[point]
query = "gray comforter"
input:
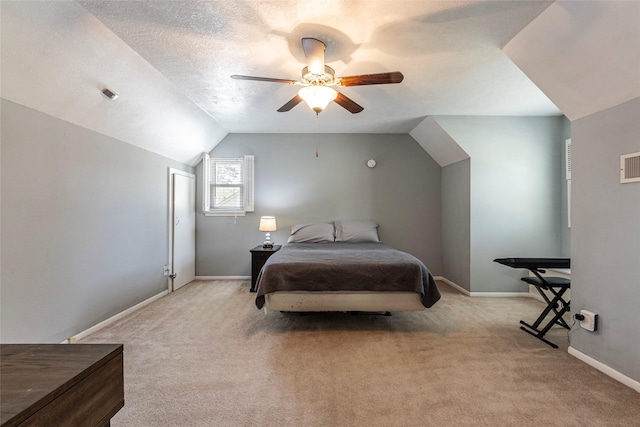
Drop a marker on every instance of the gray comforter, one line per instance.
(345, 267)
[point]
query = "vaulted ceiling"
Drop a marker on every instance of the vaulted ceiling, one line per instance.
(171, 62)
(449, 53)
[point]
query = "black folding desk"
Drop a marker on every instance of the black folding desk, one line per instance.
(556, 285)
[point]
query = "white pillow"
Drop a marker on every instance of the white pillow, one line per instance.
(312, 233)
(356, 231)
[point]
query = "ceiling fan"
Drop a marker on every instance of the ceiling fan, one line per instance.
(318, 77)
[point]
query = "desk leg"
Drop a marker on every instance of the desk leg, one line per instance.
(537, 335)
(566, 305)
(550, 306)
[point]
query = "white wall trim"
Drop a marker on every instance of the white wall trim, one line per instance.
(172, 172)
(223, 277)
(453, 285)
(630, 382)
(502, 294)
(112, 319)
(485, 294)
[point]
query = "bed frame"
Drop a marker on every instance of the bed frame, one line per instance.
(308, 274)
(297, 301)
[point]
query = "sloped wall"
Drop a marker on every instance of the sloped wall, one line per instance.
(582, 54)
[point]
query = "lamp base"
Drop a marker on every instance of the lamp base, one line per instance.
(267, 241)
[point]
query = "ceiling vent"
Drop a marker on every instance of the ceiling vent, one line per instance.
(109, 94)
(567, 148)
(630, 168)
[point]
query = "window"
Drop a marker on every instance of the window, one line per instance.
(228, 186)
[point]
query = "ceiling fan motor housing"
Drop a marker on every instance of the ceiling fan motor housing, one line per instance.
(327, 78)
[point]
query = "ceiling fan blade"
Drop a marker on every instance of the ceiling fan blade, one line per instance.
(263, 79)
(371, 79)
(314, 53)
(348, 104)
(289, 105)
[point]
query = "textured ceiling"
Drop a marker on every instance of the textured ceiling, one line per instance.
(449, 52)
(171, 62)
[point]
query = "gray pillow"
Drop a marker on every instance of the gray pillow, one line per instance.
(312, 233)
(356, 231)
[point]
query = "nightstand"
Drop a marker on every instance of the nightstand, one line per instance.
(259, 256)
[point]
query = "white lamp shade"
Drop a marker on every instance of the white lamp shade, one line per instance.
(317, 97)
(267, 223)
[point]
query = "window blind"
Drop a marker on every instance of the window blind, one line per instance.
(229, 185)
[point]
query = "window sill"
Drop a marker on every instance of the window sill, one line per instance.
(227, 213)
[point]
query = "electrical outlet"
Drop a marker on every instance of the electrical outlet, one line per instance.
(166, 270)
(590, 322)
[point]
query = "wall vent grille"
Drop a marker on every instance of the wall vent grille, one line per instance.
(630, 168)
(567, 147)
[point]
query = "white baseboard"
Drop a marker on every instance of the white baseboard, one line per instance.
(502, 294)
(223, 277)
(107, 322)
(630, 382)
(453, 285)
(483, 294)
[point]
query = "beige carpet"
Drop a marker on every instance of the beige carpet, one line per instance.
(205, 356)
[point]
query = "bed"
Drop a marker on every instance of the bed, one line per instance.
(343, 266)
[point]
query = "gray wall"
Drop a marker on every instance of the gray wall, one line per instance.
(456, 220)
(84, 226)
(605, 237)
(402, 193)
(515, 192)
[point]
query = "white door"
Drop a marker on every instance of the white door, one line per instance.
(183, 259)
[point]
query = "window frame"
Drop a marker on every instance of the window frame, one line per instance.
(247, 165)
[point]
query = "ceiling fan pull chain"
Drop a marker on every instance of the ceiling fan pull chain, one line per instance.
(317, 132)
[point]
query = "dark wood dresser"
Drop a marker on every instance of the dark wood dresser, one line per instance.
(60, 384)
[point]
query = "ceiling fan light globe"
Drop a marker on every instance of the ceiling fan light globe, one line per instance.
(317, 97)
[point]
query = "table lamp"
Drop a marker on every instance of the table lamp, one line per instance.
(268, 223)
